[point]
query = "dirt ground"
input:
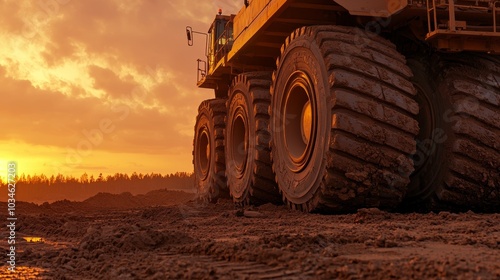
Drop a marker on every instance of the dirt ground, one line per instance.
(188, 240)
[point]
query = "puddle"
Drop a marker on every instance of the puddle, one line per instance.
(23, 272)
(33, 239)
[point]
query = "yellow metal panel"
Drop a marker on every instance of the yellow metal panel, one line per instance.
(376, 8)
(248, 14)
(251, 19)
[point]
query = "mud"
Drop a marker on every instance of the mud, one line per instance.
(216, 241)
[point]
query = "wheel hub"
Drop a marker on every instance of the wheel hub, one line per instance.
(298, 121)
(203, 152)
(306, 122)
(239, 149)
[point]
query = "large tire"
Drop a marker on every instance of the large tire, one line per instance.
(208, 150)
(249, 173)
(458, 158)
(343, 120)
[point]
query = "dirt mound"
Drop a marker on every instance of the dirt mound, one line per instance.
(128, 201)
(103, 201)
(165, 197)
(113, 201)
(23, 207)
(128, 238)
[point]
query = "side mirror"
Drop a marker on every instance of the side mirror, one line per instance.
(189, 33)
(190, 37)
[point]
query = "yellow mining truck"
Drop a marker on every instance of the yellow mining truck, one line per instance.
(334, 105)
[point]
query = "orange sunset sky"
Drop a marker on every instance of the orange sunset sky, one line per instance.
(100, 86)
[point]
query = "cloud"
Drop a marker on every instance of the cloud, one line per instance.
(42, 117)
(108, 81)
(68, 65)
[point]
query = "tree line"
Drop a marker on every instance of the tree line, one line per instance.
(41, 188)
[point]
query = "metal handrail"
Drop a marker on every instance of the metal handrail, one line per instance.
(495, 16)
(432, 14)
(202, 70)
(224, 42)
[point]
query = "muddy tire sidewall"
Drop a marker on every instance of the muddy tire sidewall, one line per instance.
(239, 158)
(210, 177)
(302, 56)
